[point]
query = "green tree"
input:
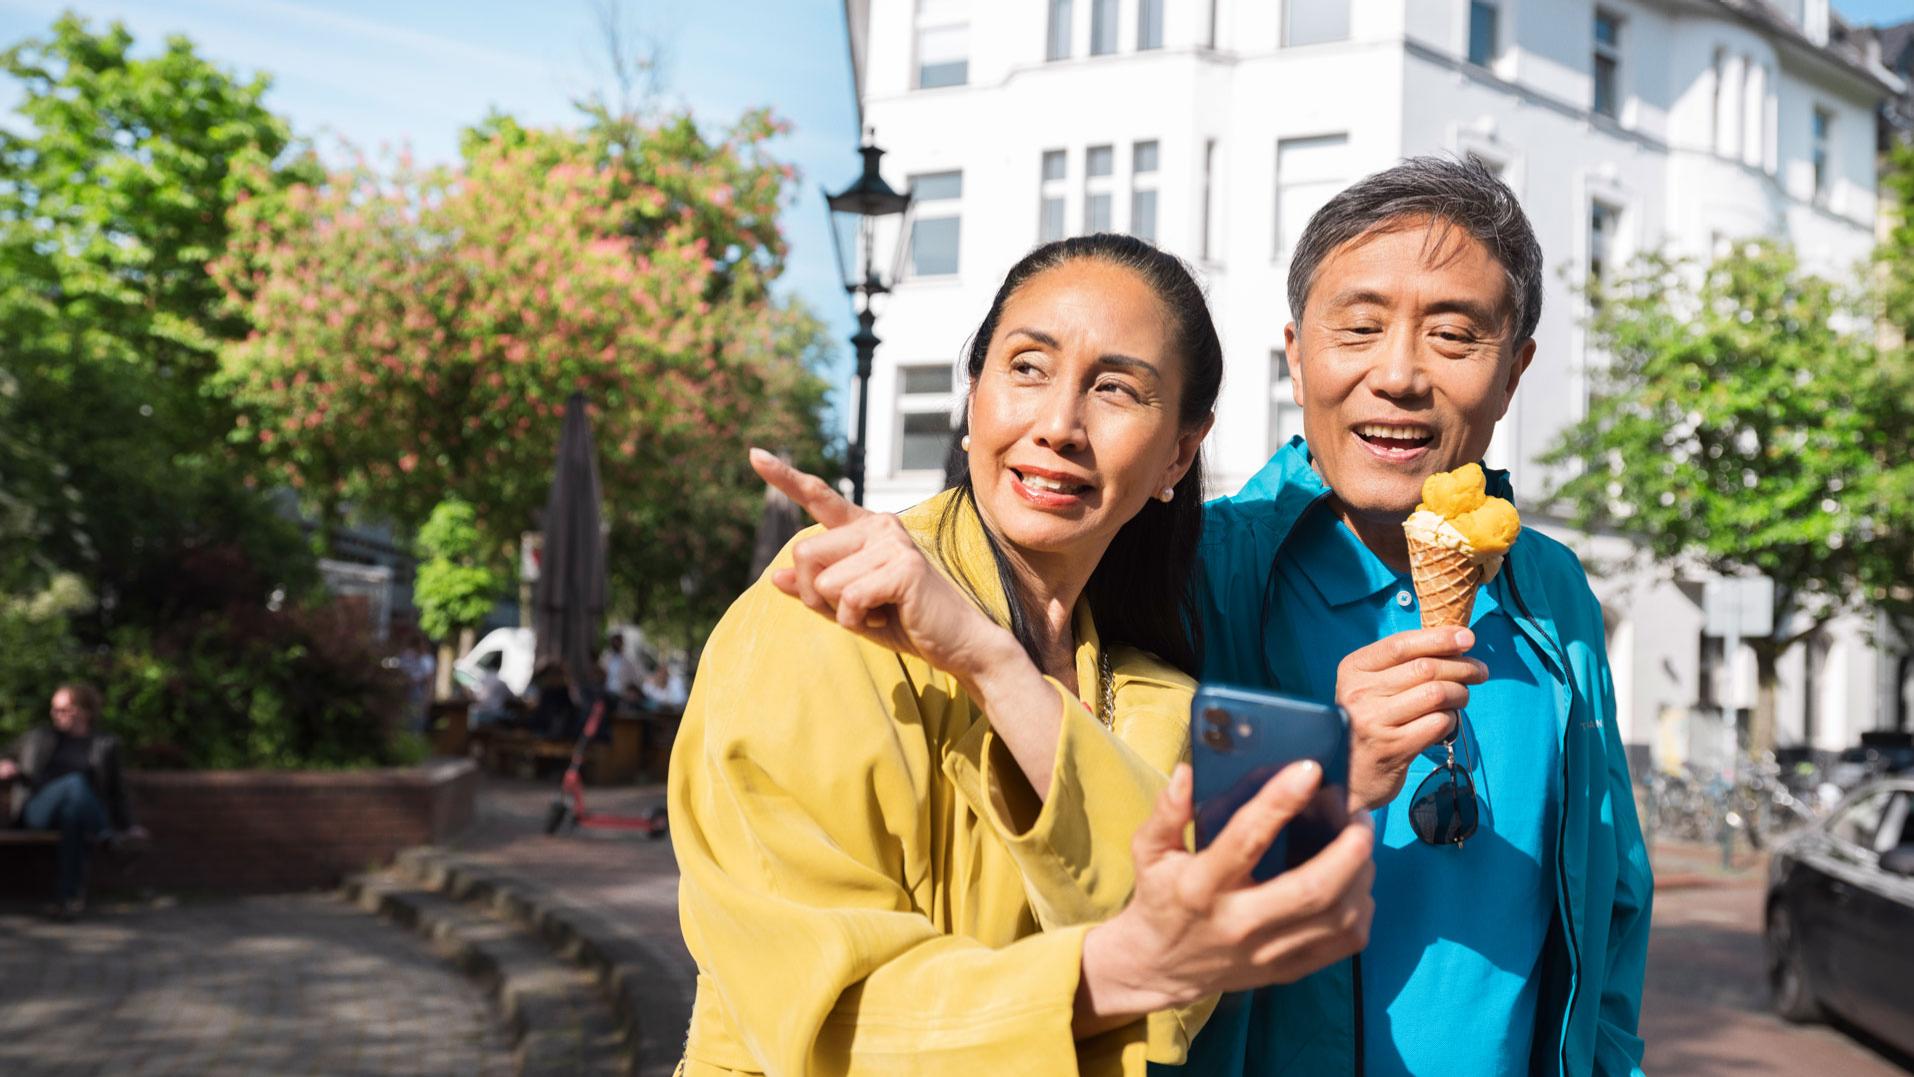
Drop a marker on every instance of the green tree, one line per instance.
(1892, 571)
(114, 192)
(418, 332)
(1741, 424)
(457, 584)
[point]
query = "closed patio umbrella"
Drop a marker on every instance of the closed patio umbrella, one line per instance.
(568, 604)
(780, 520)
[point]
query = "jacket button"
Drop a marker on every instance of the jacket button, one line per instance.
(1405, 599)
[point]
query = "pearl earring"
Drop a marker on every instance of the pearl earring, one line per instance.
(965, 443)
(1168, 495)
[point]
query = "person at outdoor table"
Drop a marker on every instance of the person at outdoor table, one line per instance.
(619, 674)
(492, 700)
(662, 689)
(554, 706)
(69, 780)
(876, 877)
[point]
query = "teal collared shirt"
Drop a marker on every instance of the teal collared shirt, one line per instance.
(1448, 977)
(1589, 979)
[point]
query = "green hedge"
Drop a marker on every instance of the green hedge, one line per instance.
(223, 684)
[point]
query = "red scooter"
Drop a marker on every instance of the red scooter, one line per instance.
(564, 815)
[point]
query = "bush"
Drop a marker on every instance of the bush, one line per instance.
(228, 683)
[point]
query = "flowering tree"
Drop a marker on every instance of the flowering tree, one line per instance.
(416, 333)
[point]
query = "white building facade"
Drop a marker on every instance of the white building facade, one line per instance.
(1215, 128)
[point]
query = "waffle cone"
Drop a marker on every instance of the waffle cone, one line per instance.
(1446, 581)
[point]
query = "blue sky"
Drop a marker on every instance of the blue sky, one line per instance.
(1875, 12)
(415, 71)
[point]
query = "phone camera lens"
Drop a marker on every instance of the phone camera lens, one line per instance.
(1216, 738)
(1217, 717)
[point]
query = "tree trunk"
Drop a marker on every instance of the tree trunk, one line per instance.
(442, 683)
(325, 530)
(1761, 730)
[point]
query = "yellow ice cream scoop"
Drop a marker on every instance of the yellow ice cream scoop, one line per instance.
(1491, 527)
(1453, 493)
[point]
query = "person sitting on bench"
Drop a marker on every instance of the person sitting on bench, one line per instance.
(69, 781)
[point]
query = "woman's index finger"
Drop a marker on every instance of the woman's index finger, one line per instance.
(811, 493)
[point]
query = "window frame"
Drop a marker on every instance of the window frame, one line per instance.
(1821, 154)
(1494, 9)
(907, 404)
(1282, 400)
(943, 16)
(1281, 244)
(1106, 21)
(1099, 186)
(1053, 190)
(1146, 182)
(1610, 51)
(1149, 32)
(1059, 31)
(918, 217)
(1286, 30)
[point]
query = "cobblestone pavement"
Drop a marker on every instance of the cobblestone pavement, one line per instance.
(1705, 1010)
(298, 984)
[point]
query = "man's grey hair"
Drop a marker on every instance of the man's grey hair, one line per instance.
(1453, 193)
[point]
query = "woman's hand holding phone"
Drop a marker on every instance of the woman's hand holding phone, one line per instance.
(1200, 924)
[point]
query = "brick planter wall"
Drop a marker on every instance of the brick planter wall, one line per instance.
(259, 830)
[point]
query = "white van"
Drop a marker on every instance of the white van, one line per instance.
(518, 647)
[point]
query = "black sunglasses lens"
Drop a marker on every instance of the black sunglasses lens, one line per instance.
(1444, 811)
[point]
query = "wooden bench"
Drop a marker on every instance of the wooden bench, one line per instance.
(12, 836)
(518, 752)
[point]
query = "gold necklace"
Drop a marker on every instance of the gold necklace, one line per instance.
(1107, 712)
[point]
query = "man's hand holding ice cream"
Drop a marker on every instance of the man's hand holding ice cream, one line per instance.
(1403, 691)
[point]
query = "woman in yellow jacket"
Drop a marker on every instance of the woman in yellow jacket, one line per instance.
(878, 878)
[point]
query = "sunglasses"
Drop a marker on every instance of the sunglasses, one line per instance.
(1444, 810)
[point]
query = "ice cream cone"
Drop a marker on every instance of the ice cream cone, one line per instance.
(1446, 581)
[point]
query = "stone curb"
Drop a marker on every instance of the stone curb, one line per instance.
(554, 1021)
(628, 973)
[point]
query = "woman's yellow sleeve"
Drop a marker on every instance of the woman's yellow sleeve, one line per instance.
(1073, 847)
(798, 795)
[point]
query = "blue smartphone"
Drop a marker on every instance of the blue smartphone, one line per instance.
(1240, 738)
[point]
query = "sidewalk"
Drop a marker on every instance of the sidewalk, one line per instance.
(1691, 865)
(298, 983)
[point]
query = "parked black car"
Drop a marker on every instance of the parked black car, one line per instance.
(1840, 920)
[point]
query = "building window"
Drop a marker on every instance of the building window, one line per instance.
(1057, 40)
(1099, 164)
(1604, 222)
(1285, 415)
(1608, 59)
(1103, 27)
(937, 199)
(943, 43)
(1823, 137)
(1309, 171)
(1051, 195)
(1722, 119)
(925, 401)
(1483, 41)
(1149, 24)
(1143, 167)
(1209, 191)
(1314, 22)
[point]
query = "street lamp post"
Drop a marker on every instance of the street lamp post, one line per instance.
(855, 213)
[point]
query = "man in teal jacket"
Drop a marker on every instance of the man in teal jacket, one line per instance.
(1520, 947)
